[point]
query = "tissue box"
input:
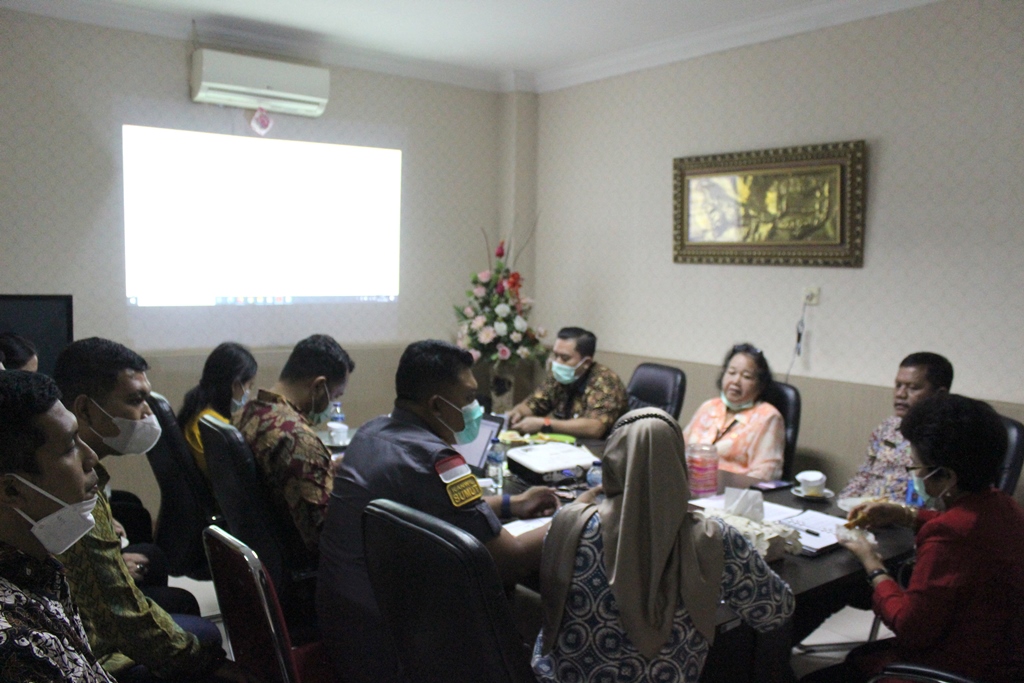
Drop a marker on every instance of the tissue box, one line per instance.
(770, 540)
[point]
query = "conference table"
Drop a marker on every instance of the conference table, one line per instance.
(739, 654)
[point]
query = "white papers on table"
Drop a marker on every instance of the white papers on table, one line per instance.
(817, 530)
(772, 511)
(521, 526)
(552, 457)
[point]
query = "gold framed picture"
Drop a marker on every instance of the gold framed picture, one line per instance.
(801, 206)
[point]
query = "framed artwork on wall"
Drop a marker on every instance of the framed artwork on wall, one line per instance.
(800, 206)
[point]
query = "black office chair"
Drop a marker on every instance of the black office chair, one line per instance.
(440, 596)
(186, 504)
(249, 515)
(1009, 474)
(902, 672)
(786, 398)
(657, 386)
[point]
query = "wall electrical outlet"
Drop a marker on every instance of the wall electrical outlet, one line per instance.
(812, 296)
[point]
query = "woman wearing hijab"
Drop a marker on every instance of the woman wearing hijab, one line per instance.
(631, 584)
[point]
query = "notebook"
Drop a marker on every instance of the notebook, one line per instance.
(475, 452)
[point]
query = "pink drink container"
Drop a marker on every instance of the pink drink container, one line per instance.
(702, 464)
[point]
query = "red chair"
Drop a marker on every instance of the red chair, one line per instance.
(252, 615)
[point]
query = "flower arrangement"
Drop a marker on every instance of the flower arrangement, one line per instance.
(492, 324)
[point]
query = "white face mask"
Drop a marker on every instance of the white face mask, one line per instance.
(60, 530)
(135, 436)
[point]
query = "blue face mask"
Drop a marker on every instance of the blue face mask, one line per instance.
(736, 407)
(238, 403)
(564, 374)
(471, 417)
(323, 415)
(926, 498)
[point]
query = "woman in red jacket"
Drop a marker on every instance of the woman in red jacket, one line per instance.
(963, 610)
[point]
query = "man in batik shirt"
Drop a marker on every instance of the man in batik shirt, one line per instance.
(278, 426)
(45, 471)
(580, 396)
(884, 473)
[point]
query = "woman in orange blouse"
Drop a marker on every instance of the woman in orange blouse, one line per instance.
(748, 433)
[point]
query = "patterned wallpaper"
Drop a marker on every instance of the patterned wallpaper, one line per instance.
(65, 91)
(938, 94)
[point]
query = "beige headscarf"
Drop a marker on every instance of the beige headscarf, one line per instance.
(656, 553)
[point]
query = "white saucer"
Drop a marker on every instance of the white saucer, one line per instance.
(798, 491)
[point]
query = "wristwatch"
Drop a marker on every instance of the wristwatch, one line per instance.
(547, 425)
(875, 574)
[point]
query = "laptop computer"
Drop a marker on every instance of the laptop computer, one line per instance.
(475, 452)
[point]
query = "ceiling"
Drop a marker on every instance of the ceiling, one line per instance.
(533, 45)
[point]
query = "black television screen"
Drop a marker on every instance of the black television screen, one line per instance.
(45, 319)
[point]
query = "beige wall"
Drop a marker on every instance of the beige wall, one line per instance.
(66, 89)
(938, 94)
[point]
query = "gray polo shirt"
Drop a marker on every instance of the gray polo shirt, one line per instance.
(390, 457)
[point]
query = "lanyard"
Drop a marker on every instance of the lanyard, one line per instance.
(719, 435)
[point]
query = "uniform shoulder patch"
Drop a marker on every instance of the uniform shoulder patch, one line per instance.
(460, 483)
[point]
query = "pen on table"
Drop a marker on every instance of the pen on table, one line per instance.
(812, 532)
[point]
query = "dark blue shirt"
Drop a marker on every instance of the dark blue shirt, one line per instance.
(390, 457)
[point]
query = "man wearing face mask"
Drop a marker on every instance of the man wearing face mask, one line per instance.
(580, 397)
(278, 426)
(48, 488)
(104, 385)
(407, 457)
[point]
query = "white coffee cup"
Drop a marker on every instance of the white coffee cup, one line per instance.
(812, 482)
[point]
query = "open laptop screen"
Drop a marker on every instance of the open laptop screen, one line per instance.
(475, 452)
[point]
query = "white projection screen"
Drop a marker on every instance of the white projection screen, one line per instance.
(228, 220)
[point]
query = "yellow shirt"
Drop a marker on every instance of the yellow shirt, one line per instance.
(195, 442)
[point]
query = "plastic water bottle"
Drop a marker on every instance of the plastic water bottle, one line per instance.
(336, 426)
(594, 474)
(496, 465)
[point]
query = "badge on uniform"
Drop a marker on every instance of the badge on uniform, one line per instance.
(462, 486)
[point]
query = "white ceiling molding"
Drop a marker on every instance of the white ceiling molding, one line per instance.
(239, 33)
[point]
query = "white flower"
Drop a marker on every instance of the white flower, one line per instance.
(523, 352)
(502, 310)
(520, 323)
(516, 337)
(478, 322)
(501, 328)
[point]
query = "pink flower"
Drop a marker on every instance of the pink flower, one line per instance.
(504, 353)
(479, 292)
(486, 335)
(500, 289)
(475, 354)
(468, 311)
(460, 342)
(500, 251)
(483, 275)
(478, 322)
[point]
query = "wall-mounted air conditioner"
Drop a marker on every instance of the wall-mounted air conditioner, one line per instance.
(251, 82)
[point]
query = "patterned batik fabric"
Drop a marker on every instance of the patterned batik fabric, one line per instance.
(124, 626)
(884, 473)
(593, 646)
(751, 442)
(294, 463)
(599, 395)
(41, 635)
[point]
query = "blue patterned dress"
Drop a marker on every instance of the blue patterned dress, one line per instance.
(593, 647)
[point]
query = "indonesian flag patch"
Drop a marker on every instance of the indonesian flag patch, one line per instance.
(462, 486)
